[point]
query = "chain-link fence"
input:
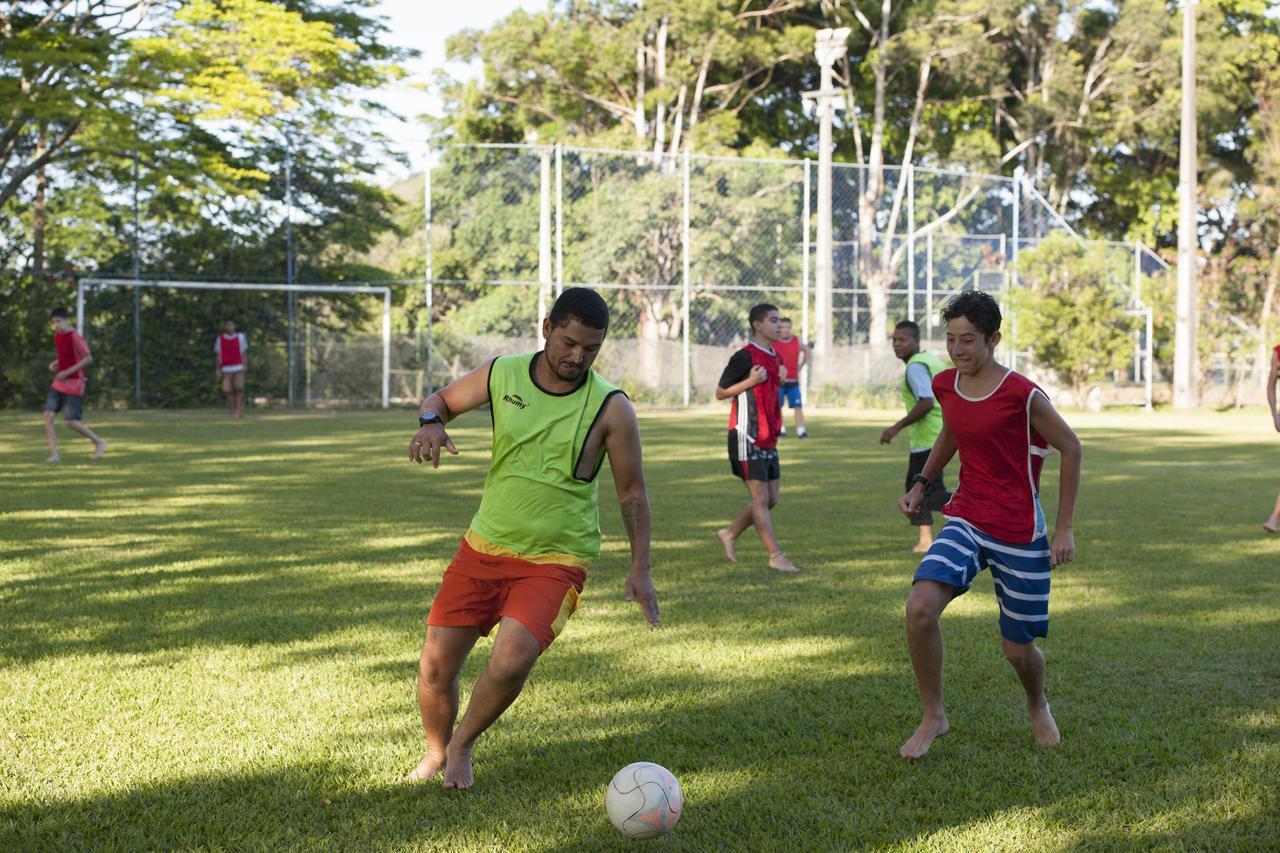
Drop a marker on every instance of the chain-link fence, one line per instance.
(683, 245)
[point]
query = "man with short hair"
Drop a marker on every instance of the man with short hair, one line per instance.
(751, 380)
(66, 393)
(1003, 426)
(229, 365)
(922, 422)
(523, 562)
(795, 355)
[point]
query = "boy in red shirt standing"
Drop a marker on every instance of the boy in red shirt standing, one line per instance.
(229, 364)
(794, 355)
(67, 391)
(1003, 425)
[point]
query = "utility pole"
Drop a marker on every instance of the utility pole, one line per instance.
(1184, 353)
(288, 258)
(830, 47)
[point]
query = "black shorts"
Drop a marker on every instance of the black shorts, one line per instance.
(935, 494)
(56, 401)
(758, 465)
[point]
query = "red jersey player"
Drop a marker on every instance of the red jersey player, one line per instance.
(1003, 425)
(794, 355)
(751, 380)
(66, 394)
(228, 365)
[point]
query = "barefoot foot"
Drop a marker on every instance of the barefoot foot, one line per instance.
(1042, 723)
(1269, 525)
(429, 766)
(921, 548)
(102, 448)
(929, 730)
(730, 547)
(54, 458)
(457, 772)
(779, 562)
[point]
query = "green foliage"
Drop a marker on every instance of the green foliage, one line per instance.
(1071, 314)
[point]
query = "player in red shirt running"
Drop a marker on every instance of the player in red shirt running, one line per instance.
(229, 365)
(751, 380)
(67, 391)
(1003, 425)
(1270, 524)
(794, 355)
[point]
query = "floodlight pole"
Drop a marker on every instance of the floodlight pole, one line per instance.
(804, 271)
(1184, 353)
(830, 46)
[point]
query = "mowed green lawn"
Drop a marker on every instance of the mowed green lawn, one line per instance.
(210, 640)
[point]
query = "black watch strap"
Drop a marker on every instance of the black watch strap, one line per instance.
(429, 418)
(921, 479)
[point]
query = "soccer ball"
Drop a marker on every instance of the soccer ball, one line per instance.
(644, 800)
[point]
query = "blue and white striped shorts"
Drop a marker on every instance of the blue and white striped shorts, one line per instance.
(1020, 573)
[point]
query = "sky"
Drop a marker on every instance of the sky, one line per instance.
(425, 25)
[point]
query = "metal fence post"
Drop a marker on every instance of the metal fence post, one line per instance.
(911, 242)
(559, 219)
(428, 284)
(544, 234)
(928, 280)
(288, 262)
(804, 272)
(688, 365)
(1017, 212)
(137, 275)
(386, 348)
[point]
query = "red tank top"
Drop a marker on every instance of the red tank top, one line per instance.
(756, 411)
(65, 343)
(789, 352)
(1000, 456)
(230, 350)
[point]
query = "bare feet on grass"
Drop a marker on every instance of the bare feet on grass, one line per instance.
(54, 458)
(1042, 723)
(102, 448)
(430, 765)
(921, 548)
(929, 730)
(779, 562)
(457, 773)
(726, 539)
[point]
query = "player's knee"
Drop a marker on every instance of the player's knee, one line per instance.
(921, 613)
(49, 416)
(436, 671)
(1018, 654)
(772, 502)
(511, 669)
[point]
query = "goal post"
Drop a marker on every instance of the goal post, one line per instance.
(88, 284)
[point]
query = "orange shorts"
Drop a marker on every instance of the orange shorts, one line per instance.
(478, 590)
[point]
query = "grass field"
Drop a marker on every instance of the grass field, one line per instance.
(209, 640)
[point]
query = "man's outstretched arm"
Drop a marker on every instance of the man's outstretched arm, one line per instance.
(622, 444)
(462, 395)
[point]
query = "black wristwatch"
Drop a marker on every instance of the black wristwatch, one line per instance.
(429, 418)
(920, 478)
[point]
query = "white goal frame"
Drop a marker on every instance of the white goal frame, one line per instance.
(95, 283)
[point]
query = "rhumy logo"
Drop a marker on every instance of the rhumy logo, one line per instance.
(515, 400)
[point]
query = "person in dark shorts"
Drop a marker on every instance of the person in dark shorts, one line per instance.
(751, 380)
(922, 422)
(66, 393)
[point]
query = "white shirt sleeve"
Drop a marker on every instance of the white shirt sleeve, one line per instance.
(919, 381)
(244, 343)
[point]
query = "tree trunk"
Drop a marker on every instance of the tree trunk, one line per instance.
(39, 209)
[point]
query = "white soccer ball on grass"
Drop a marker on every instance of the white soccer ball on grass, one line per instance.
(644, 800)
